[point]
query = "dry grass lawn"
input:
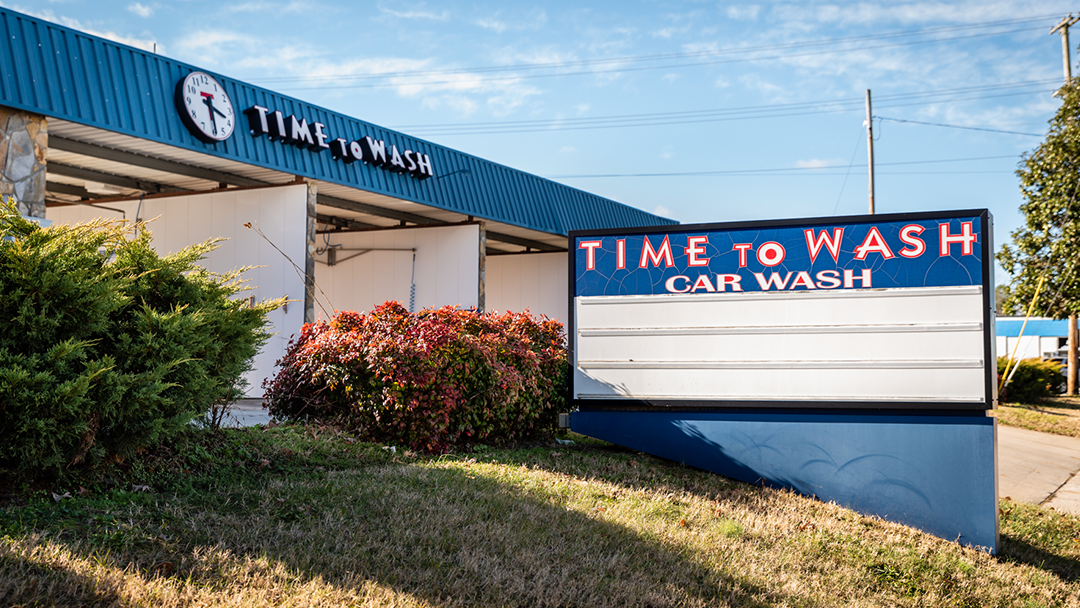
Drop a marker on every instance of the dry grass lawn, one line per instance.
(1059, 415)
(286, 517)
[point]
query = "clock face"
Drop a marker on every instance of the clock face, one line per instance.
(205, 108)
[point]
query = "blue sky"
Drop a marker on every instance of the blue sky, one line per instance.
(699, 111)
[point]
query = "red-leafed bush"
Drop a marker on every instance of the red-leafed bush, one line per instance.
(427, 380)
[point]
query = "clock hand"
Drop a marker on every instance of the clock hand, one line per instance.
(208, 99)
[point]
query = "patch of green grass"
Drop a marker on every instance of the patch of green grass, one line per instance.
(301, 516)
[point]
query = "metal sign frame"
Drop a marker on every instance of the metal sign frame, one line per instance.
(984, 248)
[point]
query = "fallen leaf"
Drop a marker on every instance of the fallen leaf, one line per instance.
(59, 497)
(164, 568)
(263, 463)
(138, 488)
(682, 522)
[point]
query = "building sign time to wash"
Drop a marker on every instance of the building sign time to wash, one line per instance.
(847, 358)
(207, 111)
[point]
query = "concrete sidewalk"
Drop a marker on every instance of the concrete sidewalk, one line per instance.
(1039, 468)
(247, 412)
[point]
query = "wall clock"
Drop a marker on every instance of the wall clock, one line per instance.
(205, 107)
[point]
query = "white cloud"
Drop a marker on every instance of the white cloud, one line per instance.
(668, 32)
(756, 83)
(416, 14)
(667, 152)
(865, 13)
(534, 20)
(817, 163)
(567, 149)
(460, 103)
(721, 82)
(492, 24)
(669, 78)
(662, 211)
(140, 9)
(743, 13)
(582, 108)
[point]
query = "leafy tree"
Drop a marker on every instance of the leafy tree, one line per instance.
(1048, 245)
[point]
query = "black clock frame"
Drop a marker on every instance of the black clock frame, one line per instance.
(185, 117)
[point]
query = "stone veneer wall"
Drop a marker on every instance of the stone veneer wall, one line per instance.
(24, 141)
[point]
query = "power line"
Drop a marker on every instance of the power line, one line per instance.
(519, 77)
(938, 124)
(709, 116)
(776, 170)
(848, 101)
(666, 56)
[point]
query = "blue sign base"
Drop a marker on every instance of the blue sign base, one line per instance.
(937, 473)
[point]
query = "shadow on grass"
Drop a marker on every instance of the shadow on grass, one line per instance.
(23, 582)
(1022, 552)
(449, 537)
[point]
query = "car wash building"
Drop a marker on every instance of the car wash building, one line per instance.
(351, 214)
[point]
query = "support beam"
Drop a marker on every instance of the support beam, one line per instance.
(481, 283)
(522, 242)
(393, 214)
(149, 162)
(168, 166)
(309, 254)
(110, 178)
(69, 190)
(342, 222)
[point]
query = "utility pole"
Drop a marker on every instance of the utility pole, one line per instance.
(870, 147)
(1063, 27)
(1071, 374)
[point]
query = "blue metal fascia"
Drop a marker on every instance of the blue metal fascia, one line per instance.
(932, 471)
(62, 73)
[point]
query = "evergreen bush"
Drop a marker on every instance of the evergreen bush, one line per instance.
(427, 380)
(1035, 379)
(107, 348)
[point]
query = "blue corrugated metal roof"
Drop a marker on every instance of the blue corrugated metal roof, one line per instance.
(1035, 327)
(63, 73)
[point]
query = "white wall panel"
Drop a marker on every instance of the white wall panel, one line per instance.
(446, 268)
(859, 345)
(281, 213)
(1024, 347)
(533, 281)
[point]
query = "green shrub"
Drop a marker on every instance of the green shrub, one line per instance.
(107, 348)
(1034, 380)
(427, 380)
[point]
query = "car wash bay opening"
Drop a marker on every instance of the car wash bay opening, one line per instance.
(353, 214)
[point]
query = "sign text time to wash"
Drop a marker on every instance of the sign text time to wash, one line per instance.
(922, 253)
